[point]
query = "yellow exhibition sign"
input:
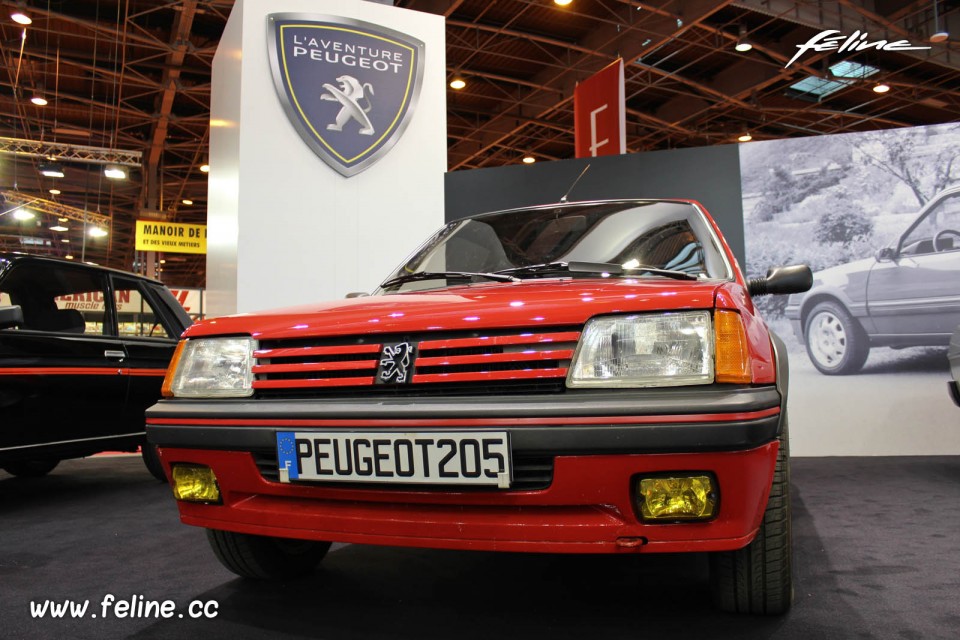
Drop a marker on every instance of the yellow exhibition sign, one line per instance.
(171, 237)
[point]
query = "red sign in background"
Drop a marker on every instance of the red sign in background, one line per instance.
(599, 113)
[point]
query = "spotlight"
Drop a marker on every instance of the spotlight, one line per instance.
(39, 100)
(881, 87)
(51, 169)
(746, 137)
(97, 232)
(54, 192)
(205, 168)
(21, 18)
(458, 83)
(187, 201)
(24, 214)
(115, 172)
(529, 159)
(562, 3)
(743, 44)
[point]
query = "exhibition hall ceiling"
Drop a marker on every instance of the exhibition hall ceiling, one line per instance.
(127, 82)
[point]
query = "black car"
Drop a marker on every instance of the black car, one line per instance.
(83, 352)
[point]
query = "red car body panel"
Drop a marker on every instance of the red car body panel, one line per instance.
(589, 507)
(590, 503)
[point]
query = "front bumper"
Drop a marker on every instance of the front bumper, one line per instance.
(589, 506)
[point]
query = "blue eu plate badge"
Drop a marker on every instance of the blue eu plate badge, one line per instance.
(348, 87)
(287, 456)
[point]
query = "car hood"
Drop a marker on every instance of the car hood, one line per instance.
(529, 303)
(850, 277)
(839, 274)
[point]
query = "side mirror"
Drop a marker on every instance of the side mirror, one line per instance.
(357, 294)
(887, 254)
(11, 317)
(782, 280)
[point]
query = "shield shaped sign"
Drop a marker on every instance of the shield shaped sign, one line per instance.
(349, 87)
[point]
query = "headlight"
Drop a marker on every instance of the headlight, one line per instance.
(652, 350)
(213, 368)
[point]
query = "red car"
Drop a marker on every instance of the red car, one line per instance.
(584, 377)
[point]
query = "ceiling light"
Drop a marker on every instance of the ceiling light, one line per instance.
(59, 227)
(54, 192)
(68, 257)
(163, 262)
(205, 168)
(746, 137)
(24, 214)
(39, 100)
(65, 240)
(529, 159)
(51, 170)
(97, 232)
(743, 44)
(881, 88)
(562, 3)
(21, 18)
(939, 35)
(63, 219)
(458, 83)
(115, 172)
(186, 201)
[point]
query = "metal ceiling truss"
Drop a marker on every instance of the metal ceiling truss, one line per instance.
(135, 74)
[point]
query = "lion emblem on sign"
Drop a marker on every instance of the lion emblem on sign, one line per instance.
(395, 363)
(349, 94)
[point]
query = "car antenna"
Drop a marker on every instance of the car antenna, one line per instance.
(564, 198)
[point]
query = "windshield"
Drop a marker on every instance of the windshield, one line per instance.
(669, 236)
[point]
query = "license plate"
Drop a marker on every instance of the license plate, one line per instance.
(445, 458)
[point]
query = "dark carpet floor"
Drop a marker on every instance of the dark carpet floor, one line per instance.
(877, 555)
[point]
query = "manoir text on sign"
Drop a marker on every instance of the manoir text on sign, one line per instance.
(171, 237)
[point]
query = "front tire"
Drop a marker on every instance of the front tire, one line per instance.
(836, 343)
(266, 558)
(151, 460)
(30, 468)
(758, 579)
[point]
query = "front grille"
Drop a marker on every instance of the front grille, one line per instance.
(529, 473)
(491, 358)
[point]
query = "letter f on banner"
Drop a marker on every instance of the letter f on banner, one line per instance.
(600, 113)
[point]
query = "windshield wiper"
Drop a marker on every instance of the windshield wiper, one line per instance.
(449, 275)
(595, 267)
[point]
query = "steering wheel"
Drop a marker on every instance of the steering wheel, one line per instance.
(942, 234)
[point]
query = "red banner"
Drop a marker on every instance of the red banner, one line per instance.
(599, 113)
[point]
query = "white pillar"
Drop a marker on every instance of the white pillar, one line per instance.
(285, 228)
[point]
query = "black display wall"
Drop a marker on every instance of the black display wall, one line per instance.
(710, 175)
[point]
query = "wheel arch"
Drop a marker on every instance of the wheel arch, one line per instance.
(814, 298)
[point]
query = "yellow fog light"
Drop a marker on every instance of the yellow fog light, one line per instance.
(195, 483)
(677, 497)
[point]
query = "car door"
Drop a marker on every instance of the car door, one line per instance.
(60, 377)
(149, 323)
(917, 294)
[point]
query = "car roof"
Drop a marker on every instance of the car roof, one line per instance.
(16, 258)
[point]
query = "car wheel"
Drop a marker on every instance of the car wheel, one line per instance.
(151, 460)
(758, 579)
(836, 343)
(266, 558)
(30, 468)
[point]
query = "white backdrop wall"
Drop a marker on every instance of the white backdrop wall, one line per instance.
(284, 228)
